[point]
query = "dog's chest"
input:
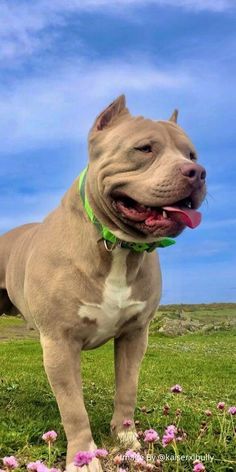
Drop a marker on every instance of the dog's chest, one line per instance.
(117, 307)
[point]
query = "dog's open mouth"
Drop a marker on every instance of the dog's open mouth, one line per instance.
(178, 215)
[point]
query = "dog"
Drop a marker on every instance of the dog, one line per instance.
(89, 272)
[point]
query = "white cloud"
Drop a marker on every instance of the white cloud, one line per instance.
(63, 104)
(196, 5)
(24, 26)
(200, 5)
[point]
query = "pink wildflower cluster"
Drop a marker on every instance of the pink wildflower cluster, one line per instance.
(232, 410)
(10, 462)
(138, 461)
(198, 467)
(170, 435)
(85, 457)
(127, 423)
(176, 389)
(134, 456)
(37, 466)
(50, 436)
(151, 436)
(221, 406)
(133, 460)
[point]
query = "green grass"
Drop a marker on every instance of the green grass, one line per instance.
(203, 364)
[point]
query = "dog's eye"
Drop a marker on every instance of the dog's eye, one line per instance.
(192, 156)
(145, 148)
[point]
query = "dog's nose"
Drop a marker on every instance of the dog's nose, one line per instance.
(195, 173)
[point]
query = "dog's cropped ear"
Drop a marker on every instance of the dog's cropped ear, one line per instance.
(110, 114)
(174, 116)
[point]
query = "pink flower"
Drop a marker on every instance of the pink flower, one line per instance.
(139, 460)
(135, 456)
(167, 439)
(169, 435)
(198, 467)
(37, 466)
(53, 469)
(10, 462)
(171, 429)
(130, 454)
(83, 458)
(221, 405)
(42, 468)
(101, 453)
(127, 423)
(232, 410)
(50, 436)
(208, 413)
(150, 435)
(33, 466)
(176, 389)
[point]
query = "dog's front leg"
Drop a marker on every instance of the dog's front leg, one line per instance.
(129, 351)
(62, 364)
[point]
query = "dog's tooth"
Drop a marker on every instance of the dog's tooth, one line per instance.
(164, 214)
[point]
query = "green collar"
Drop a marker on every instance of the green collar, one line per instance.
(106, 233)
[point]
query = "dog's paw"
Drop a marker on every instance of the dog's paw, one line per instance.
(94, 466)
(128, 439)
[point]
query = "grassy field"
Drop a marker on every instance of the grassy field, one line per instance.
(203, 364)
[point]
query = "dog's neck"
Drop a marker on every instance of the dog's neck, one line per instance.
(110, 240)
(84, 237)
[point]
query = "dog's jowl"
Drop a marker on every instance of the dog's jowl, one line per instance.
(90, 272)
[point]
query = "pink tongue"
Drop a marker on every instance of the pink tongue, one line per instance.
(189, 217)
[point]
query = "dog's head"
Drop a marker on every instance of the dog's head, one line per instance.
(144, 181)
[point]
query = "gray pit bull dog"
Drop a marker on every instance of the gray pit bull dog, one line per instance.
(83, 282)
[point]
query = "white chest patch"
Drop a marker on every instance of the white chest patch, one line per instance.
(116, 305)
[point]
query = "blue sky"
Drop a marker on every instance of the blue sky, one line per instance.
(62, 62)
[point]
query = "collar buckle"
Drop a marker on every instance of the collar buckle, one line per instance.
(111, 246)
